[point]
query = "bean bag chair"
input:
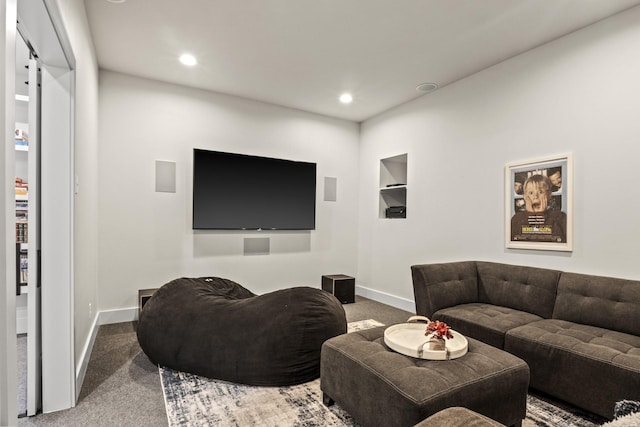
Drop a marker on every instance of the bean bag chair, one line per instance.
(216, 328)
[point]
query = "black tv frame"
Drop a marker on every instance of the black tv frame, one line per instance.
(233, 191)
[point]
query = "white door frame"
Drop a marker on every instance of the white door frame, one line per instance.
(34, 331)
(41, 24)
(56, 198)
(8, 341)
(58, 340)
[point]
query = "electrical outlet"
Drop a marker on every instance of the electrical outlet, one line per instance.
(90, 310)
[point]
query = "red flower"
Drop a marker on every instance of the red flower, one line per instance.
(440, 329)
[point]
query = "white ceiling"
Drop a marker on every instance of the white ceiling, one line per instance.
(304, 53)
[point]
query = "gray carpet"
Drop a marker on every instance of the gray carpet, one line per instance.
(122, 388)
(22, 374)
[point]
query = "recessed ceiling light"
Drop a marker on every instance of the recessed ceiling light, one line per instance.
(346, 98)
(116, 1)
(188, 59)
(426, 87)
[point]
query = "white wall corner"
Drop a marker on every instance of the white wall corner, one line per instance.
(385, 298)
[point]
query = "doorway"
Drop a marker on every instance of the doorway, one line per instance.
(27, 113)
(50, 384)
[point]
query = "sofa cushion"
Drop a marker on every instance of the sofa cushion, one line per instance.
(485, 322)
(604, 302)
(522, 288)
(587, 366)
(436, 286)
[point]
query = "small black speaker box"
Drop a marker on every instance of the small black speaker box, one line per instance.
(341, 286)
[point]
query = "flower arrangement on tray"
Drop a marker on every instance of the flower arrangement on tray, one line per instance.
(440, 329)
(437, 331)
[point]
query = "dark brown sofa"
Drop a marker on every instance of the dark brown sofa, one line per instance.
(579, 334)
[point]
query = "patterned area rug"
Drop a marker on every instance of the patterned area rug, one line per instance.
(543, 411)
(196, 401)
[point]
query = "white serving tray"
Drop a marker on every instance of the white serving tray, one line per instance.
(409, 339)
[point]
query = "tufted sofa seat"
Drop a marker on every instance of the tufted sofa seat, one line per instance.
(599, 361)
(214, 327)
(579, 334)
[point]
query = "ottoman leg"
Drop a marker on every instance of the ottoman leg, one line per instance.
(328, 401)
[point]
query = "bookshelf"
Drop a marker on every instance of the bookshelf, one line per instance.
(21, 210)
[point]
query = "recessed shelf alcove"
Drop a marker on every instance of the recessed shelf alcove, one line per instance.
(393, 187)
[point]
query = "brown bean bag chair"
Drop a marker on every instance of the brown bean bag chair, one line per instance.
(216, 328)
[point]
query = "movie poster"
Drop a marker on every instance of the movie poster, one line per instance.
(538, 204)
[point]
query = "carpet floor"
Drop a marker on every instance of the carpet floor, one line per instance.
(192, 400)
(22, 375)
(123, 388)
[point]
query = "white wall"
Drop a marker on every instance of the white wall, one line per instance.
(86, 171)
(578, 94)
(145, 238)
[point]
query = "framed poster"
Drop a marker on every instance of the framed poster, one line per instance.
(539, 205)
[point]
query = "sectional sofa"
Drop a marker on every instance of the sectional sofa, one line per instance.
(579, 334)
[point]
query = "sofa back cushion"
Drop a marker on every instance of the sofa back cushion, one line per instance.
(522, 288)
(605, 302)
(437, 286)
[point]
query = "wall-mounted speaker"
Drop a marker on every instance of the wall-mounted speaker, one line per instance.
(256, 246)
(330, 189)
(165, 176)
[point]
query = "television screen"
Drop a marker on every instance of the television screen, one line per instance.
(241, 192)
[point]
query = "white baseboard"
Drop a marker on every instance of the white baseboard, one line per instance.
(118, 316)
(86, 355)
(385, 298)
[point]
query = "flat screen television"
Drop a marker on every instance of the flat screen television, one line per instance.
(241, 192)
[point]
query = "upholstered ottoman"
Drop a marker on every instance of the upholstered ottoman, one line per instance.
(458, 417)
(380, 387)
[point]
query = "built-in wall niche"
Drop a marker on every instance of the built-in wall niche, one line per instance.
(393, 187)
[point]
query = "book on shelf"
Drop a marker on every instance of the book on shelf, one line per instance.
(24, 266)
(21, 135)
(22, 232)
(22, 187)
